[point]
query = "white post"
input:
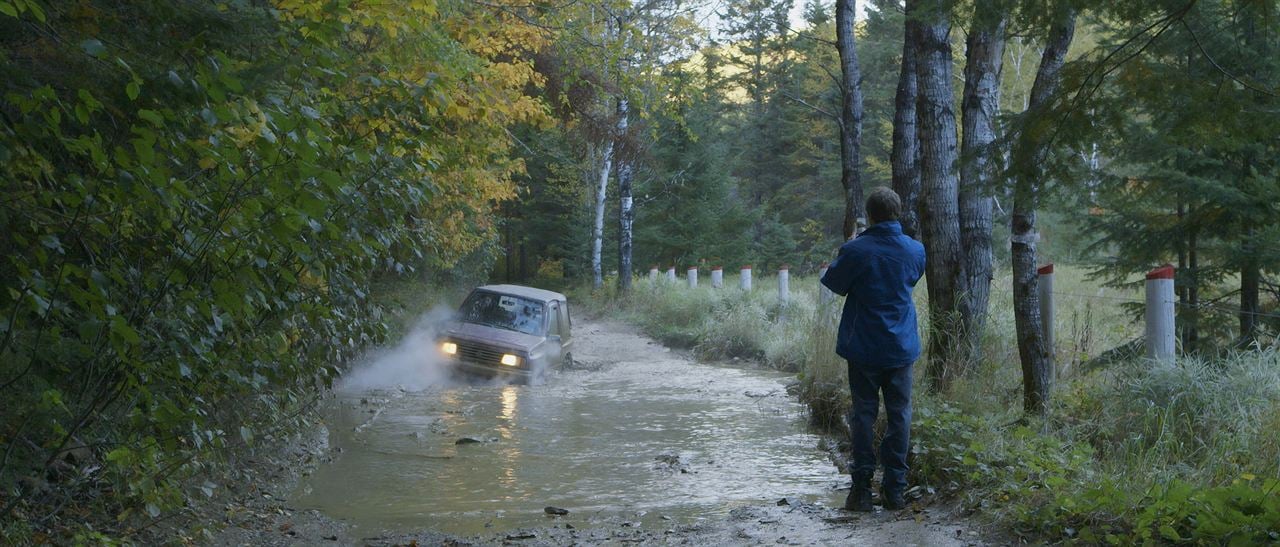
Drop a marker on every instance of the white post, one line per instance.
(692, 275)
(825, 296)
(717, 277)
(784, 284)
(671, 274)
(744, 279)
(1160, 300)
(1046, 306)
(653, 274)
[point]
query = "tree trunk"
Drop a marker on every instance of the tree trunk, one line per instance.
(850, 117)
(1250, 282)
(1037, 363)
(597, 229)
(1250, 271)
(981, 104)
(1192, 275)
(939, 183)
(1187, 286)
(906, 144)
(626, 210)
(510, 252)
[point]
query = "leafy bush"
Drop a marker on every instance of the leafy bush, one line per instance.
(199, 196)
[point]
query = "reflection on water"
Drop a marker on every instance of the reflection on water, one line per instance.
(510, 395)
(638, 440)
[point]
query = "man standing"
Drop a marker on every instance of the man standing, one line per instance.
(877, 271)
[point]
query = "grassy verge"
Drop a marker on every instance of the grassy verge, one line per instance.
(1131, 452)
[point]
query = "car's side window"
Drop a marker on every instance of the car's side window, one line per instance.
(553, 326)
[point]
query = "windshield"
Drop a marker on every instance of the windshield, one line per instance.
(504, 311)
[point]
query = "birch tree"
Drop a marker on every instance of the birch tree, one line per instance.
(603, 163)
(626, 203)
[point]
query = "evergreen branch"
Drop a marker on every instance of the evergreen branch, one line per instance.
(817, 109)
(1219, 67)
(834, 78)
(810, 36)
(1100, 71)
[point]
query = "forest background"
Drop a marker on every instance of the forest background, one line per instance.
(202, 199)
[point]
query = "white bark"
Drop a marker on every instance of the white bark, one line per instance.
(626, 206)
(597, 230)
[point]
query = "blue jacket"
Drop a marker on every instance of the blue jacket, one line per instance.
(876, 272)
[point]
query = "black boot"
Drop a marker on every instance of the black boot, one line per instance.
(859, 495)
(892, 499)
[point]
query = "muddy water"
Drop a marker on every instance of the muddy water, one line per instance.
(641, 435)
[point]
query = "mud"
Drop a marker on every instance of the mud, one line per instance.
(637, 444)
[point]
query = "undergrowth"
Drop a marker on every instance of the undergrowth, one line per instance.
(1129, 453)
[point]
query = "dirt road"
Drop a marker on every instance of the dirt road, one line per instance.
(637, 444)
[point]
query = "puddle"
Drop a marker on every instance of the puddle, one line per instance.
(648, 438)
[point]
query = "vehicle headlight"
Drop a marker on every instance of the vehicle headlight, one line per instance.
(449, 348)
(510, 360)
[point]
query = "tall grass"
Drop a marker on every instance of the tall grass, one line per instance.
(720, 323)
(1135, 423)
(1203, 422)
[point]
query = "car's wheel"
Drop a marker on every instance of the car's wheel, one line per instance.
(566, 361)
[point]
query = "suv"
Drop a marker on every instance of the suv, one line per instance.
(509, 331)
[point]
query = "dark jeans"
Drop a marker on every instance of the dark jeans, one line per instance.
(866, 384)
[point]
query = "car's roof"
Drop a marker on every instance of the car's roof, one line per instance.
(525, 292)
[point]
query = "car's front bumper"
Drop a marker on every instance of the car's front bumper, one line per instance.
(489, 370)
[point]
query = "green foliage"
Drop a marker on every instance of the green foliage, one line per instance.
(1188, 173)
(198, 198)
(1046, 488)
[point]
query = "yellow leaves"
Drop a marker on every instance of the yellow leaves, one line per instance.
(314, 280)
(251, 123)
(208, 162)
(472, 62)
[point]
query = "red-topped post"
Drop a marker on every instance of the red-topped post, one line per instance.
(671, 274)
(653, 274)
(744, 279)
(717, 277)
(692, 275)
(1161, 341)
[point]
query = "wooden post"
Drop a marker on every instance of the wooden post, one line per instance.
(1161, 344)
(784, 284)
(671, 274)
(825, 296)
(1046, 305)
(692, 275)
(653, 274)
(745, 278)
(717, 277)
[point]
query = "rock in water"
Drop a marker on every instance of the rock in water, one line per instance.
(468, 440)
(553, 510)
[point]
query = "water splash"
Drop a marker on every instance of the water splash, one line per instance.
(415, 364)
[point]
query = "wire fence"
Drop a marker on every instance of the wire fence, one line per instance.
(1197, 307)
